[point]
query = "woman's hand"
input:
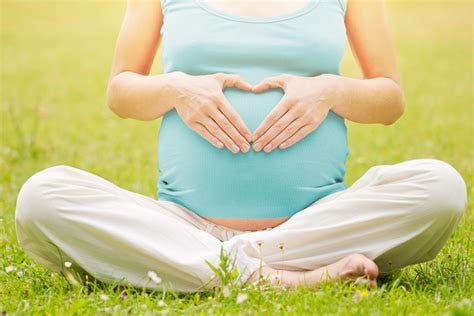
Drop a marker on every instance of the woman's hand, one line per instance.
(305, 104)
(203, 107)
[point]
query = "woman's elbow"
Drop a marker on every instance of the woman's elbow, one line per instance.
(395, 113)
(112, 101)
(397, 108)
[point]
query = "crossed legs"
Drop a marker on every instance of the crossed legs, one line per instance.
(393, 216)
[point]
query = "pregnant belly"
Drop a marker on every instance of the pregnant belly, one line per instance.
(253, 190)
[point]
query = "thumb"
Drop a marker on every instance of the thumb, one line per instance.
(233, 81)
(273, 82)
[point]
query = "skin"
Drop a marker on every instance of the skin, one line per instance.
(199, 100)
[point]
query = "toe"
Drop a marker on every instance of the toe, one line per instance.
(364, 280)
(358, 265)
(373, 283)
(367, 267)
(371, 269)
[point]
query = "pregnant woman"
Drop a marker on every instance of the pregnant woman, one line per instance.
(252, 149)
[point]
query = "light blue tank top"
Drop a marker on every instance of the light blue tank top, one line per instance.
(199, 39)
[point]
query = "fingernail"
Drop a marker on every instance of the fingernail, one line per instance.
(235, 149)
(245, 147)
(268, 148)
(257, 146)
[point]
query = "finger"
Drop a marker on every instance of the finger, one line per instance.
(271, 82)
(289, 131)
(229, 129)
(302, 132)
(275, 114)
(203, 131)
(312, 125)
(275, 130)
(233, 81)
(232, 115)
(220, 134)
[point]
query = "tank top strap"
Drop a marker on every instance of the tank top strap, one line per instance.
(343, 4)
(339, 5)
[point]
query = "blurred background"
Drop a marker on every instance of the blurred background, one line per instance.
(56, 59)
(55, 63)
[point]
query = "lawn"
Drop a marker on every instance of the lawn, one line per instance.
(56, 59)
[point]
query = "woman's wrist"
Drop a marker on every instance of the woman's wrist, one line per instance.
(166, 86)
(374, 100)
(336, 83)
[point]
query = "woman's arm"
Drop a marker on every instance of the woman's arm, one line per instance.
(379, 97)
(198, 100)
(131, 93)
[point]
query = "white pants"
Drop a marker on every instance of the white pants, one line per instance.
(395, 215)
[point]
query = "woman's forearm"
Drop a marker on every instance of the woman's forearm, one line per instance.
(136, 96)
(375, 100)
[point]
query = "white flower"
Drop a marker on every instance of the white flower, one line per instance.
(241, 297)
(103, 297)
(154, 277)
(161, 303)
(67, 264)
(19, 273)
(10, 269)
(225, 291)
(151, 274)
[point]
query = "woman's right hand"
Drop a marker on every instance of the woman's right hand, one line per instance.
(202, 106)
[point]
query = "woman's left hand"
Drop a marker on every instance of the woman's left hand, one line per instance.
(305, 104)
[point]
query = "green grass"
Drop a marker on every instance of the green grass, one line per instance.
(56, 58)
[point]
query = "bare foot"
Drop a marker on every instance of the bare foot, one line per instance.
(355, 267)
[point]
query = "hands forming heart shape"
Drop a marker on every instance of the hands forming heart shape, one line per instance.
(303, 107)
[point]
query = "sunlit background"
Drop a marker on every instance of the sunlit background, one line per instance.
(56, 59)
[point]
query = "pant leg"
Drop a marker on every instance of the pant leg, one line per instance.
(67, 214)
(394, 214)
